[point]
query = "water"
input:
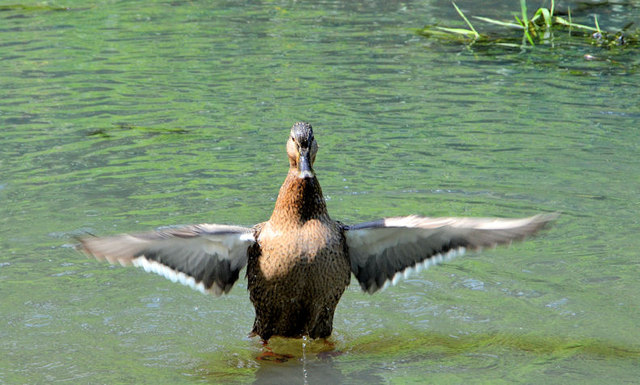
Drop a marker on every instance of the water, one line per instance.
(125, 116)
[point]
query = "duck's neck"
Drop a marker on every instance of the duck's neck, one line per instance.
(299, 200)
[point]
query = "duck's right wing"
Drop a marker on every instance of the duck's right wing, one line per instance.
(206, 257)
(381, 250)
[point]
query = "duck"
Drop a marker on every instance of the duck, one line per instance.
(300, 261)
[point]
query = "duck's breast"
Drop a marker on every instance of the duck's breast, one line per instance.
(315, 247)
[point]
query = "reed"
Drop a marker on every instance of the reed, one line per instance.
(539, 28)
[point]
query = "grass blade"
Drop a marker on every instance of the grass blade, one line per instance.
(498, 22)
(569, 24)
(523, 7)
(477, 35)
(459, 31)
(546, 16)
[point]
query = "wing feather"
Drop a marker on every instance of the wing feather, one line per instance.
(206, 257)
(381, 250)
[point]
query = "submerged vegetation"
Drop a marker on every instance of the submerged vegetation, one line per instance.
(31, 7)
(119, 127)
(544, 27)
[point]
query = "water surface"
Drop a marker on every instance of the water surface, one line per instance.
(125, 116)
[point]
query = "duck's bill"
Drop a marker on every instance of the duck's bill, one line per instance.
(304, 165)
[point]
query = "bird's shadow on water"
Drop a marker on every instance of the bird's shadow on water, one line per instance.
(368, 359)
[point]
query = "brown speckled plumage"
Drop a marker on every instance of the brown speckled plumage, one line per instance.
(299, 267)
(299, 262)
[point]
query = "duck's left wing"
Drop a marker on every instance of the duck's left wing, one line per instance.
(380, 251)
(206, 257)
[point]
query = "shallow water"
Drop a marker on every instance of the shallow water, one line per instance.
(126, 116)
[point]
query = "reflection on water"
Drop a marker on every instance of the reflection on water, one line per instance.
(122, 116)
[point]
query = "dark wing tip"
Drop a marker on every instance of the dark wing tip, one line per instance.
(100, 249)
(546, 219)
(81, 242)
(538, 223)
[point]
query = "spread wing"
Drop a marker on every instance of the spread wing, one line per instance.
(206, 257)
(381, 250)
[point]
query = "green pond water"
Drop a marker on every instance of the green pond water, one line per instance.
(120, 116)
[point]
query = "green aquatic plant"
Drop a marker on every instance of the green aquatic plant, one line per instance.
(526, 24)
(449, 32)
(537, 29)
(473, 30)
(109, 131)
(31, 7)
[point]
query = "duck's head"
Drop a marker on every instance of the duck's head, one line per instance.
(302, 148)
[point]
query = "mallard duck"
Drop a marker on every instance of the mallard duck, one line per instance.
(300, 261)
